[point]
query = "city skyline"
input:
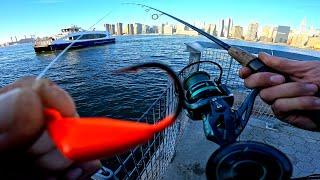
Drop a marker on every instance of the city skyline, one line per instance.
(46, 17)
(304, 36)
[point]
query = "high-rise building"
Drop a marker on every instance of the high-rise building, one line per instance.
(236, 32)
(128, 29)
(119, 29)
(281, 35)
(183, 30)
(252, 32)
(313, 42)
(107, 26)
(154, 30)
(137, 28)
(111, 28)
(298, 39)
(303, 25)
(229, 26)
(167, 29)
(145, 29)
(131, 29)
(211, 29)
(125, 29)
(266, 34)
(221, 32)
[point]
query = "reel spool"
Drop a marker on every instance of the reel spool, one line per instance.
(248, 160)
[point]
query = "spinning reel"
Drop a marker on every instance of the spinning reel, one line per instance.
(209, 100)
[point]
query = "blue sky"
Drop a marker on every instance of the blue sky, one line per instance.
(45, 17)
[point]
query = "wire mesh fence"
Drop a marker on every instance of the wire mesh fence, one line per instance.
(149, 161)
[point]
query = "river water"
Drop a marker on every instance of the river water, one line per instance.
(87, 73)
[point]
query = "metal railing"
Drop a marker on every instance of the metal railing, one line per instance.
(150, 160)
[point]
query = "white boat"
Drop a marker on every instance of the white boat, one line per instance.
(69, 35)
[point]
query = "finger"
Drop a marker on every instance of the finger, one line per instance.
(25, 82)
(285, 105)
(263, 79)
(288, 90)
(280, 64)
(42, 146)
(301, 122)
(244, 72)
(53, 161)
(21, 120)
(54, 97)
(51, 95)
(89, 168)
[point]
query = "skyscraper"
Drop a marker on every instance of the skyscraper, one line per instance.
(266, 35)
(145, 29)
(229, 27)
(252, 32)
(107, 26)
(236, 32)
(119, 29)
(167, 29)
(222, 29)
(131, 29)
(137, 28)
(281, 35)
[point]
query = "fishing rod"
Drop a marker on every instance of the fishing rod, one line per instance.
(243, 57)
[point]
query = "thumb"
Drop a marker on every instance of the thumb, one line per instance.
(21, 119)
(286, 66)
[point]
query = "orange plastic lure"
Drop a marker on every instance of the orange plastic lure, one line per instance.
(83, 139)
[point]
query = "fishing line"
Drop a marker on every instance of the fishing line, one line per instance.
(67, 48)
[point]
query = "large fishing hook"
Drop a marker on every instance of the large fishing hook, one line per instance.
(89, 138)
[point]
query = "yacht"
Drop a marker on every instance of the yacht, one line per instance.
(69, 35)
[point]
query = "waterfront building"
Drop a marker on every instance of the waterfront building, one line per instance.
(154, 30)
(145, 29)
(167, 29)
(229, 26)
(119, 29)
(211, 29)
(161, 28)
(131, 29)
(236, 32)
(313, 42)
(266, 34)
(252, 32)
(125, 29)
(110, 28)
(299, 40)
(221, 30)
(184, 30)
(281, 34)
(137, 28)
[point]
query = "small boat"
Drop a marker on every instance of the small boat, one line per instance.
(69, 35)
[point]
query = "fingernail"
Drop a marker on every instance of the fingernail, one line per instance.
(75, 173)
(311, 87)
(277, 79)
(7, 102)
